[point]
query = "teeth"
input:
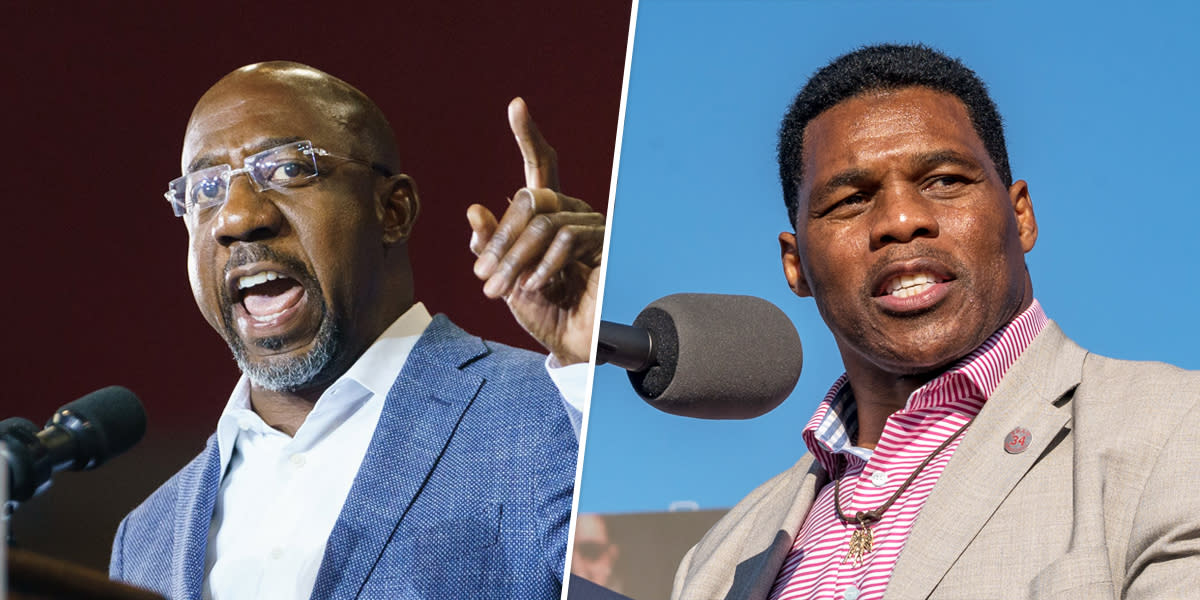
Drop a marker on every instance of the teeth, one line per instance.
(256, 279)
(910, 284)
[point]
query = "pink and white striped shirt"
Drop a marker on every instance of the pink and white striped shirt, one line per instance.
(816, 566)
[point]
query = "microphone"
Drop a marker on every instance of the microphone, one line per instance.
(81, 435)
(709, 356)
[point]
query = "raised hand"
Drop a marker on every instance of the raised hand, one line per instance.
(543, 256)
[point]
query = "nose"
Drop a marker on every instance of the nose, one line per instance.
(247, 215)
(902, 215)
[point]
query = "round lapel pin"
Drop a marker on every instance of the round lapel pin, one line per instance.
(1017, 440)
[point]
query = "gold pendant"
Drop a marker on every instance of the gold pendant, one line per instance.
(860, 543)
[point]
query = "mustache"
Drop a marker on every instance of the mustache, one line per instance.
(244, 254)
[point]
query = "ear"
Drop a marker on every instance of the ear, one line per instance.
(1022, 205)
(398, 208)
(792, 270)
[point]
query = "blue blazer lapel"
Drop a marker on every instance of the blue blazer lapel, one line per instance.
(420, 415)
(197, 496)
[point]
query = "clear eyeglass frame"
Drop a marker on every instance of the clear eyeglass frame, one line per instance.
(282, 168)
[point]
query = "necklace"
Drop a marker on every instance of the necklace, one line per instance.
(862, 540)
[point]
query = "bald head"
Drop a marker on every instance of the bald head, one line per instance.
(365, 132)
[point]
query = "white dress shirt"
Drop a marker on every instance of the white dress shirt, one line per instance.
(280, 496)
(572, 384)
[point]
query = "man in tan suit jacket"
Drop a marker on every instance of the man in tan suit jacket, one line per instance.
(893, 162)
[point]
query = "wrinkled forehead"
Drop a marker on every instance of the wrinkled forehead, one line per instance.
(243, 115)
(887, 123)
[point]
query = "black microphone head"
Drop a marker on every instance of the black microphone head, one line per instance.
(719, 356)
(17, 426)
(104, 423)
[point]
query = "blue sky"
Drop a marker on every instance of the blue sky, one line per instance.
(1099, 104)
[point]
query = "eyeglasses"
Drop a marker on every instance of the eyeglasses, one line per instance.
(282, 168)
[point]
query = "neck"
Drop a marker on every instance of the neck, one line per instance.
(877, 396)
(284, 411)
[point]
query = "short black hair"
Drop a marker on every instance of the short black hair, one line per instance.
(881, 68)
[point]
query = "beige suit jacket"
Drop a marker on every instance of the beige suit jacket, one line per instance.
(1104, 503)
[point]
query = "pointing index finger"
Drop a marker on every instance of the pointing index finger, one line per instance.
(541, 161)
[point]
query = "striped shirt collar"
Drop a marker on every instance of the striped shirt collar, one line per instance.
(829, 432)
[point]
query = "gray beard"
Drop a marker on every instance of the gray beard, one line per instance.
(289, 374)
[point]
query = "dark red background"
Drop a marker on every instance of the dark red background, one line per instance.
(94, 102)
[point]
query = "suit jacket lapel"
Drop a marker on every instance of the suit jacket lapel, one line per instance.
(981, 473)
(740, 557)
(195, 500)
(754, 576)
(420, 415)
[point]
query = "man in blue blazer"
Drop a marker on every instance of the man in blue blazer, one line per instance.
(369, 450)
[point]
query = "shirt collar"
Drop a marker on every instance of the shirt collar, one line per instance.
(376, 369)
(372, 374)
(829, 432)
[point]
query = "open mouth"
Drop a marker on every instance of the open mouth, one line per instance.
(913, 287)
(911, 284)
(267, 295)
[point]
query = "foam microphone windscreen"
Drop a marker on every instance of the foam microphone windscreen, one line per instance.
(719, 356)
(105, 423)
